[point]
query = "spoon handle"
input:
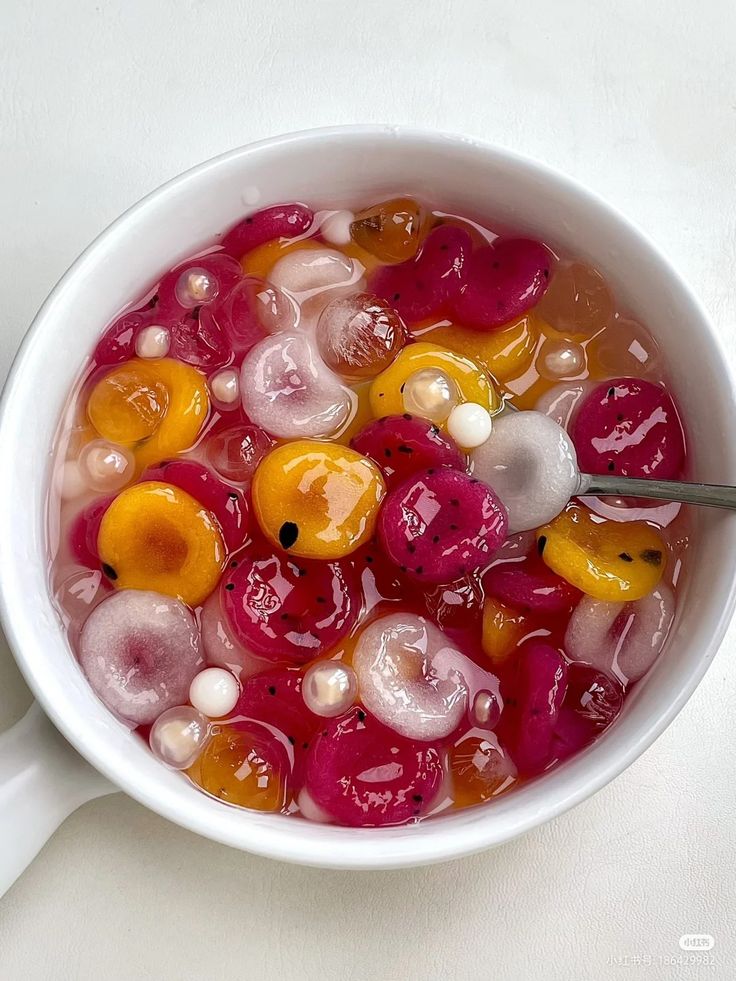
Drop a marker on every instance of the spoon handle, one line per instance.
(711, 495)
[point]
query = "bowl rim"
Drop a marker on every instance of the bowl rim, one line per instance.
(398, 850)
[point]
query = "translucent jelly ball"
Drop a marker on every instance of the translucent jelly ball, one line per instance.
(195, 286)
(480, 769)
(577, 301)
(561, 359)
(329, 688)
(178, 736)
(235, 453)
(359, 335)
(105, 466)
(623, 348)
(530, 463)
(390, 230)
(430, 393)
(214, 692)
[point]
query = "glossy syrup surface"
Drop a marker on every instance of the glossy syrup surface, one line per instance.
(301, 543)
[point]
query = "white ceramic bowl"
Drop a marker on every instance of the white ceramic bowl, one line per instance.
(334, 167)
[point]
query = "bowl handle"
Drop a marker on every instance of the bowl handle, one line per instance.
(42, 780)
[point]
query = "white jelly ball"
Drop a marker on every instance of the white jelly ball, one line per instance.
(329, 688)
(560, 359)
(562, 401)
(214, 692)
(178, 736)
(336, 228)
(469, 425)
(530, 463)
(195, 286)
(308, 271)
(225, 387)
(106, 466)
(430, 393)
(152, 342)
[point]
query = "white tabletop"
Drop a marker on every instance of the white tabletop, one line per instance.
(101, 101)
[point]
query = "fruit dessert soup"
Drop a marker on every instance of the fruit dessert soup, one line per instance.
(305, 544)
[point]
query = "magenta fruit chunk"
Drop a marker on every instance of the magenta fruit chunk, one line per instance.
(365, 775)
(530, 586)
(503, 281)
(117, 344)
(275, 698)
(287, 610)
(441, 525)
(533, 698)
(279, 221)
(403, 445)
(630, 427)
(422, 286)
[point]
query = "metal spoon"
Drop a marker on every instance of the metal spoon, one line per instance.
(710, 495)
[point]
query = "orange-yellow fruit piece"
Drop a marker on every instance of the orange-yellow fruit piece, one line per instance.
(155, 407)
(616, 561)
(238, 767)
(391, 231)
(129, 403)
(504, 353)
(317, 500)
(479, 769)
(155, 536)
(503, 628)
(472, 382)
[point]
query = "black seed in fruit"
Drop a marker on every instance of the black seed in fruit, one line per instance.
(288, 534)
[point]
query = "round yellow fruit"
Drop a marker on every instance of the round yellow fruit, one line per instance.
(317, 500)
(155, 536)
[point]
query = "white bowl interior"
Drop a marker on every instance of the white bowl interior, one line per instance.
(338, 168)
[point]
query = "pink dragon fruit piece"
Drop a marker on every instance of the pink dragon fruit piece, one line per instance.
(84, 531)
(140, 652)
(275, 698)
(592, 701)
(403, 445)
(530, 586)
(284, 610)
(630, 427)
(621, 639)
(365, 775)
(279, 221)
(422, 286)
(533, 697)
(503, 281)
(226, 503)
(441, 525)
